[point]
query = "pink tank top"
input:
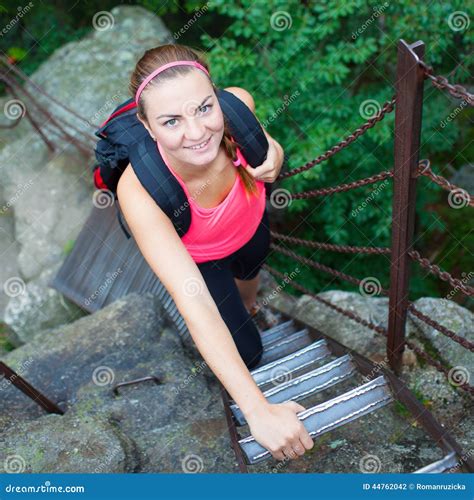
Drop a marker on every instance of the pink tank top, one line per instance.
(219, 231)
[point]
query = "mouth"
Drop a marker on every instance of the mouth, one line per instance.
(201, 146)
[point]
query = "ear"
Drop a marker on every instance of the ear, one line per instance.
(145, 124)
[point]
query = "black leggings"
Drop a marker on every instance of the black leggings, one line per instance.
(219, 274)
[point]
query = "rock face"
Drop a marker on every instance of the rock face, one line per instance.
(455, 318)
(176, 423)
(48, 196)
(173, 422)
(77, 365)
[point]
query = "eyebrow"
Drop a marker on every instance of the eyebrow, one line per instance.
(177, 116)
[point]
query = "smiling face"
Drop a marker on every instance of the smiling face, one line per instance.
(184, 116)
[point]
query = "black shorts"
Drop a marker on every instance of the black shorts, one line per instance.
(219, 274)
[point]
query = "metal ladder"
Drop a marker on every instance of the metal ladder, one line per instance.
(296, 364)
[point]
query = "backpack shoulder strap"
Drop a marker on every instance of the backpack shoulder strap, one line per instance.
(162, 186)
(244, 127)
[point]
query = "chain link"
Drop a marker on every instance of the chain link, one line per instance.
(442, 82)
(424, 168)
(372, 326)
(387, 107)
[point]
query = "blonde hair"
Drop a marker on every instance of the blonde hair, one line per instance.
(158, 56)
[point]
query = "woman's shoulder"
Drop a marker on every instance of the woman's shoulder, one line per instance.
(243, 95)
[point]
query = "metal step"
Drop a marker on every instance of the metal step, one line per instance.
(448, 462)
(278, 332)
(305, 385)
(327, 416)
(282, 347)
(286, 366)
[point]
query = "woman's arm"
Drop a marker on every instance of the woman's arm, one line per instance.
(274, 426)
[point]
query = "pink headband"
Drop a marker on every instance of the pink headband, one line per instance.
(162, 68)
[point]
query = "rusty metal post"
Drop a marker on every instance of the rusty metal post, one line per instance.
(18, 381)
(408, 113)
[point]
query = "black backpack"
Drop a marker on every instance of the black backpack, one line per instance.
(124, 140)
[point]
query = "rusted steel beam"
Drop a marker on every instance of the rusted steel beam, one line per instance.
(408, 112)
(24, 386)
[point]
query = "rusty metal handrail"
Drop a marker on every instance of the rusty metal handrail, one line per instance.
(387, 107)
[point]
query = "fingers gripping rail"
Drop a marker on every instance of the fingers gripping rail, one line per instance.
(331, 414)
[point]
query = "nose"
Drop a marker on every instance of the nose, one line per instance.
(195, 130)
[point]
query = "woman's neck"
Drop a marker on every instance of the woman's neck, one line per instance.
(190, 172)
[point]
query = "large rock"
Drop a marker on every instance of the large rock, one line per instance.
(9, 248)
(76, 366)
(457, 319)
(111, 343)
(56, 443)
(345, 330)
(50, 194)
(34, 306)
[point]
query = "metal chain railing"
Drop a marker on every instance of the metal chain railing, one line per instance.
(387, 107)
(355, 281)
(379, 329)
(348, 314)
(461, 195)
(322, 267)
(330, 246)
(446, 331)
(343, 187)
(442, 82)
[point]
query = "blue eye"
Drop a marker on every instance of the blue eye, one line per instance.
(206, 106)
(168, 122)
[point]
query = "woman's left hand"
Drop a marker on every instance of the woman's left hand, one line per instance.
(269, 170)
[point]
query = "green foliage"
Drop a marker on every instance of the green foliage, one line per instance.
(331, 69)
(311, 67)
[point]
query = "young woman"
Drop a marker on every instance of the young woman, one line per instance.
(212, 271)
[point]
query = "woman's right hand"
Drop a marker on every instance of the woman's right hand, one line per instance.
(277, 428)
